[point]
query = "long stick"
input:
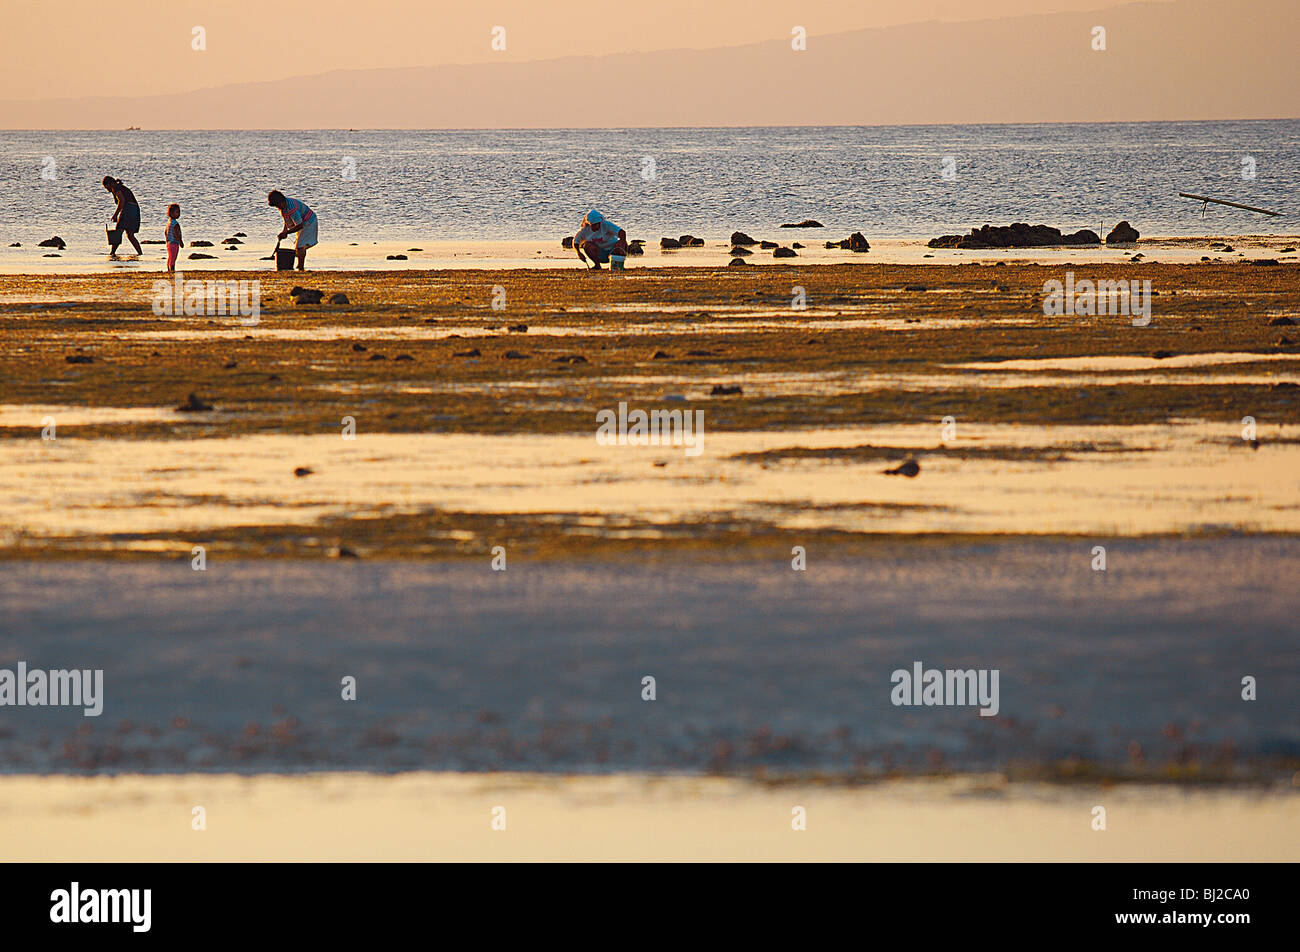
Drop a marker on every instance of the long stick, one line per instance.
(1219, 201)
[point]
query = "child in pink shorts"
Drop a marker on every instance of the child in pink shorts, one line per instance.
(174, 241)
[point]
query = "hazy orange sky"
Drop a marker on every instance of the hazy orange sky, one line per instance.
(74, 48)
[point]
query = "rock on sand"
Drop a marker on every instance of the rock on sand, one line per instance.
(1122, 234)
(909, 469)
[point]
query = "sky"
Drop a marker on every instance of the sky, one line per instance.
(402, 64)
(75, 48)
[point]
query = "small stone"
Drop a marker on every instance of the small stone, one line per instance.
(725, 390)
(472, 352)
(302, 471)
(193, 404)
(909, 469)
(339, 298)
(79, 359)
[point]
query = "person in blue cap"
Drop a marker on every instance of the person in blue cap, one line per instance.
(599, 239)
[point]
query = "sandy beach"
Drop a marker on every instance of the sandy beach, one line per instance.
(1038, 439)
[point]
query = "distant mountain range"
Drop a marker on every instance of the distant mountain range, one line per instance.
(1191, 59)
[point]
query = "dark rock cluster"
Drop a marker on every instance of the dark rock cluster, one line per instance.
(1018, 235)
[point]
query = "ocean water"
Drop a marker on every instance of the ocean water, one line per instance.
(535, 185)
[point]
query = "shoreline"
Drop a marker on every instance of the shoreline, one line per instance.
(542, 254)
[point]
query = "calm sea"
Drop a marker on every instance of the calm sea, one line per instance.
(901, 181)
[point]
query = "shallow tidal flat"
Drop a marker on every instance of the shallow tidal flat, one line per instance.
(476, 427)
(439, 816)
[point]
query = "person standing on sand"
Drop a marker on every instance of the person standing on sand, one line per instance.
(174, 238)
(126, 216)
(599, 238)
(297, 217)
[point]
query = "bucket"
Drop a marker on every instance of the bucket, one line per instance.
(616, 262)
(283, 258)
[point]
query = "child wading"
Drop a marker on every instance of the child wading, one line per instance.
(174, 239)
(297, 217)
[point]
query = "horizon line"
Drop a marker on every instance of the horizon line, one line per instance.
(844, 125)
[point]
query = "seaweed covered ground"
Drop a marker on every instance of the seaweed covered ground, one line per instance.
(794, 350)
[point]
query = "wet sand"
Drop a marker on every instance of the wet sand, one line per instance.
(1132, 673)
(1063, 425)
(82, 257)
(426, 817)
(522, 688)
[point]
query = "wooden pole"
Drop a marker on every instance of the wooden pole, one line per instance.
(1220, 201)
